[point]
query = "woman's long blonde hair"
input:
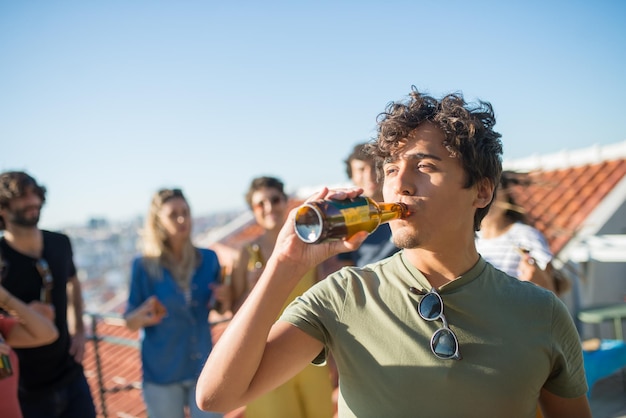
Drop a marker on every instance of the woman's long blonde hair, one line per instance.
(157, 252)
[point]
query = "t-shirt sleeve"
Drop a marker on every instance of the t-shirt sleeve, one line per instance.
(317, 311)
(567, 378)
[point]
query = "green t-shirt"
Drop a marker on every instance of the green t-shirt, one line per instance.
(515, 338)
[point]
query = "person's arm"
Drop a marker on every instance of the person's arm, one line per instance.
(255, 354)
(553, 406)
(32, 330)
(75, 303)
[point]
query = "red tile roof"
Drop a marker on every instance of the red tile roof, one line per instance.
(560, 200)
(121, 366)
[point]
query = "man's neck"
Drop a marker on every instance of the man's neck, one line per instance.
(27, 241)
(441, 267)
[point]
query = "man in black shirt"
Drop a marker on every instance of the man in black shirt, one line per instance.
(38, 268)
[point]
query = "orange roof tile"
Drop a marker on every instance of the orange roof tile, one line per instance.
(559, 201)
(121, 367)
(120, 364)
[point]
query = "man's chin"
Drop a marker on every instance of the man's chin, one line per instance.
(26, 223)
(401, 240)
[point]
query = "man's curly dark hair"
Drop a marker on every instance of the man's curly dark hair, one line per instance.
(468, 129)
(15, 184)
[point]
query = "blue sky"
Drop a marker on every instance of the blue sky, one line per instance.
(105, 102)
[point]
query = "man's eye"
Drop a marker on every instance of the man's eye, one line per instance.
(425, 167)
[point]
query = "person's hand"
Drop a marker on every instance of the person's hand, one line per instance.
(527, 268)
(152, 311)
(292, 249)
(529, 271)
(77, 346)
(44, 309)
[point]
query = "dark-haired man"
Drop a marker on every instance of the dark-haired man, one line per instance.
(38, 268)
(433, 330)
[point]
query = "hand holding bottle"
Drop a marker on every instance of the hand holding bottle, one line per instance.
(333, 219)
(150, 312)
(33, 329)
(530, 271)
(292, 249)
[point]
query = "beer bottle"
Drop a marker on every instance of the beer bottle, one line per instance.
(325, 220)
(5, 364)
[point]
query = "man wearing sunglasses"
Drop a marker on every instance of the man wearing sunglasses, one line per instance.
(39, 269)
(433, 330)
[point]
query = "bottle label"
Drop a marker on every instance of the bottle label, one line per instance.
(355, 215)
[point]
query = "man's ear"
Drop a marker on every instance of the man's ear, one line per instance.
(484, 193)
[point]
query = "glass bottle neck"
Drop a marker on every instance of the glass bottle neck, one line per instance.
(390, 211)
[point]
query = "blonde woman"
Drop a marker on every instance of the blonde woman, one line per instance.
(171, 286)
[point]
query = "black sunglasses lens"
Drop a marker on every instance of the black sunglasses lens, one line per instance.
(444, 343)
(429, 307)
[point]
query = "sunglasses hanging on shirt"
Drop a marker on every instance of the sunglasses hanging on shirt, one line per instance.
(444, 344)
(46, 281)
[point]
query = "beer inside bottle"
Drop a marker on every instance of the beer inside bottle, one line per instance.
(324, 220)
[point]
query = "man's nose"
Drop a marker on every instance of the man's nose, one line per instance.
(404, 182)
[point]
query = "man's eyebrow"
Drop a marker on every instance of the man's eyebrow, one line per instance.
(423, 156)
(416, 156)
